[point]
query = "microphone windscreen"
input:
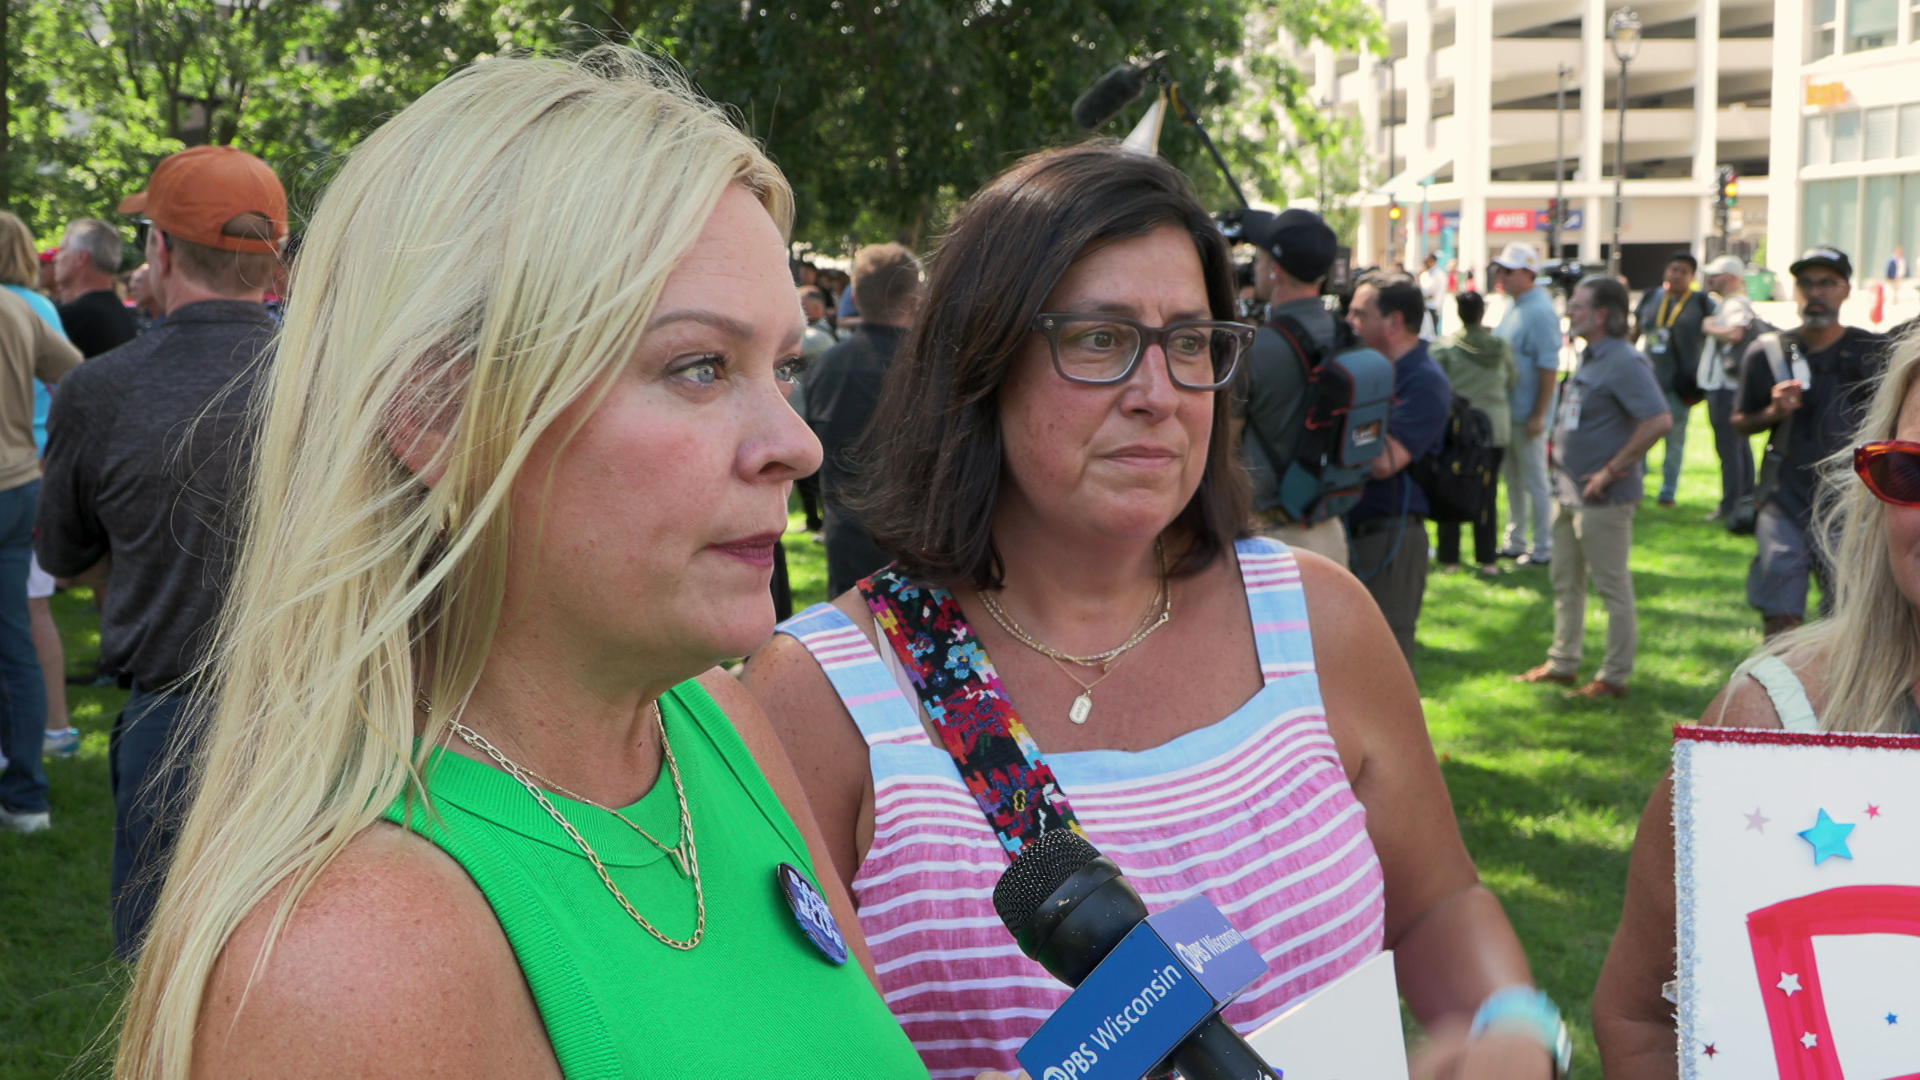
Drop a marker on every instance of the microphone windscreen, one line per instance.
(1108, 96)
(1041, 867)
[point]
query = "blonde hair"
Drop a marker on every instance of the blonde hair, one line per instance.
(458, 269)
(19, 255)
(1869, 645)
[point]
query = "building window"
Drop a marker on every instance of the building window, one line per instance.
(1833, 214)
(1879, 137)
(1825, 22)
(1883, 224)
(1909, 130)
(1846, 136)
(1872, 24)
(1819, 147)
(1910, 214)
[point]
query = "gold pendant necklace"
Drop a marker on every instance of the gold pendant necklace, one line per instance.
(1082, 706)
(684, 855)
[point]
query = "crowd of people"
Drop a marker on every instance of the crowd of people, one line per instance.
(420, 575)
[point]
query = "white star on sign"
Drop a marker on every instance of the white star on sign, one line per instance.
(1789, 983)
(1809, 1040)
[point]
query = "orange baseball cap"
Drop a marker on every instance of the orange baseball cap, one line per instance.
(194, 193)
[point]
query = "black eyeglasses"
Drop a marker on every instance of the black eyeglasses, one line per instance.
(1104, 350)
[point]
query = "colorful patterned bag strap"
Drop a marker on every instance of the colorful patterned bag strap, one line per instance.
(962, 694)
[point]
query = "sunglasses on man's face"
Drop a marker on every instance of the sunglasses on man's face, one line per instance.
(1891, 470)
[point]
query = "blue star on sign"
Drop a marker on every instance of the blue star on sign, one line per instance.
(1892, 1018)
(1829, 838)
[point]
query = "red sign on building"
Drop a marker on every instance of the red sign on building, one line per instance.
(1515, 220)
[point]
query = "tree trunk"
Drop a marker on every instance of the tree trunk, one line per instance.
(6, 101)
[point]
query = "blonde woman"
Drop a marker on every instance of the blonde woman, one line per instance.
(468, 805)
(1858, 669)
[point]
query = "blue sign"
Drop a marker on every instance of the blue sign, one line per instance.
(1164, 979)
(1575, 220)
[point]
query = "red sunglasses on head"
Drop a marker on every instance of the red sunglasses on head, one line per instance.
(1891, 470)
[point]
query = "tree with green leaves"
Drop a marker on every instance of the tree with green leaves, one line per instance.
(883, 113)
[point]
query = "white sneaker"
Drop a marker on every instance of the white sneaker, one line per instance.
(25, 821)
(61, 744)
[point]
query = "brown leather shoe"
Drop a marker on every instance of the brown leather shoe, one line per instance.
(1598, 688)
(1545, 673)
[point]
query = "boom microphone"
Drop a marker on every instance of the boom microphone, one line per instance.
(1115, 91)
(1070, 909)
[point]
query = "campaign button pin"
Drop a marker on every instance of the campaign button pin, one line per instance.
(810, 910)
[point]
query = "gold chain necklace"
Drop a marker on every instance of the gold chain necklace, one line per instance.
(1082, 706)
(685, 855)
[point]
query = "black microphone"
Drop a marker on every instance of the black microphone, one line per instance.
(1115, 91)
(1068, 906)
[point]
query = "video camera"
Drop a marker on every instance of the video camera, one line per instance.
(1561, 275)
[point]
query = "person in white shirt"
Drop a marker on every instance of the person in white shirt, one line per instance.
(1728, 333)
(1433, 286)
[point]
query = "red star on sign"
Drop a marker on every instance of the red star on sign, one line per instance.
(1710, 1051)
(1872, 810)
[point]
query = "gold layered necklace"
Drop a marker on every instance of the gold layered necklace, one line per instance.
(684, 855)
(1082, 706)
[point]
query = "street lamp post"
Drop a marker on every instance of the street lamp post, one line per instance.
(1623, 30)
(1559, 163)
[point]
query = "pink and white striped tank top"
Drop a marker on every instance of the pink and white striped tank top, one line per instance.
(1253, 810)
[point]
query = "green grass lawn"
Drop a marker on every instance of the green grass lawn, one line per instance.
(1548, 791)
(59, 985)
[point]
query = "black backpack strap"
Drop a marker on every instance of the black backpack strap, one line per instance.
(1304, 350)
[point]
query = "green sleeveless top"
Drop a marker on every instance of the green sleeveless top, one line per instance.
(754, 998)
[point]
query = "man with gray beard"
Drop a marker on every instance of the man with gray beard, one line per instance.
(1811, 406)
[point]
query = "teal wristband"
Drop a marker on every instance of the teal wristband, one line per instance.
(1522, 1010)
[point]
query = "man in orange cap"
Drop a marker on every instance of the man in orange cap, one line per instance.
(142, 449)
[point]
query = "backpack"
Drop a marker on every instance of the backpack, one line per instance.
(1686, 383)
(1458, 478)
(1775, 345)
(1349, 397)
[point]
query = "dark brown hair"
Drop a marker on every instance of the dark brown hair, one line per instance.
(933, 453)
(1397, 293)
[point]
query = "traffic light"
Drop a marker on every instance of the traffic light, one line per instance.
(1393, 210)
(1726, 194)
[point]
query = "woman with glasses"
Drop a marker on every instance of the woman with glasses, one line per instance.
(1076, 634)
(1854, 670)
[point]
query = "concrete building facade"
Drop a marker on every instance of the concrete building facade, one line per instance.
(1461, 122)
(1846, 131)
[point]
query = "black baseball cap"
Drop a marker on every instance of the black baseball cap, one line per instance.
(1830, 257)
(1299, 240)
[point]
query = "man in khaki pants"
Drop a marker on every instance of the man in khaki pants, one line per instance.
(1611, 411)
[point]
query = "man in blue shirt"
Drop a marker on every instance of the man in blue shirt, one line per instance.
(1532, 327)
(1387, 527)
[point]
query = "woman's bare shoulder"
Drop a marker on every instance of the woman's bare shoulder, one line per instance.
(392, 963)
(1744, 702)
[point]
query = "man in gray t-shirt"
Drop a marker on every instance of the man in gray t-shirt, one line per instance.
(1611, 411)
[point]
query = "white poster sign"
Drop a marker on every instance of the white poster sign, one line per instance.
(1798, 865)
